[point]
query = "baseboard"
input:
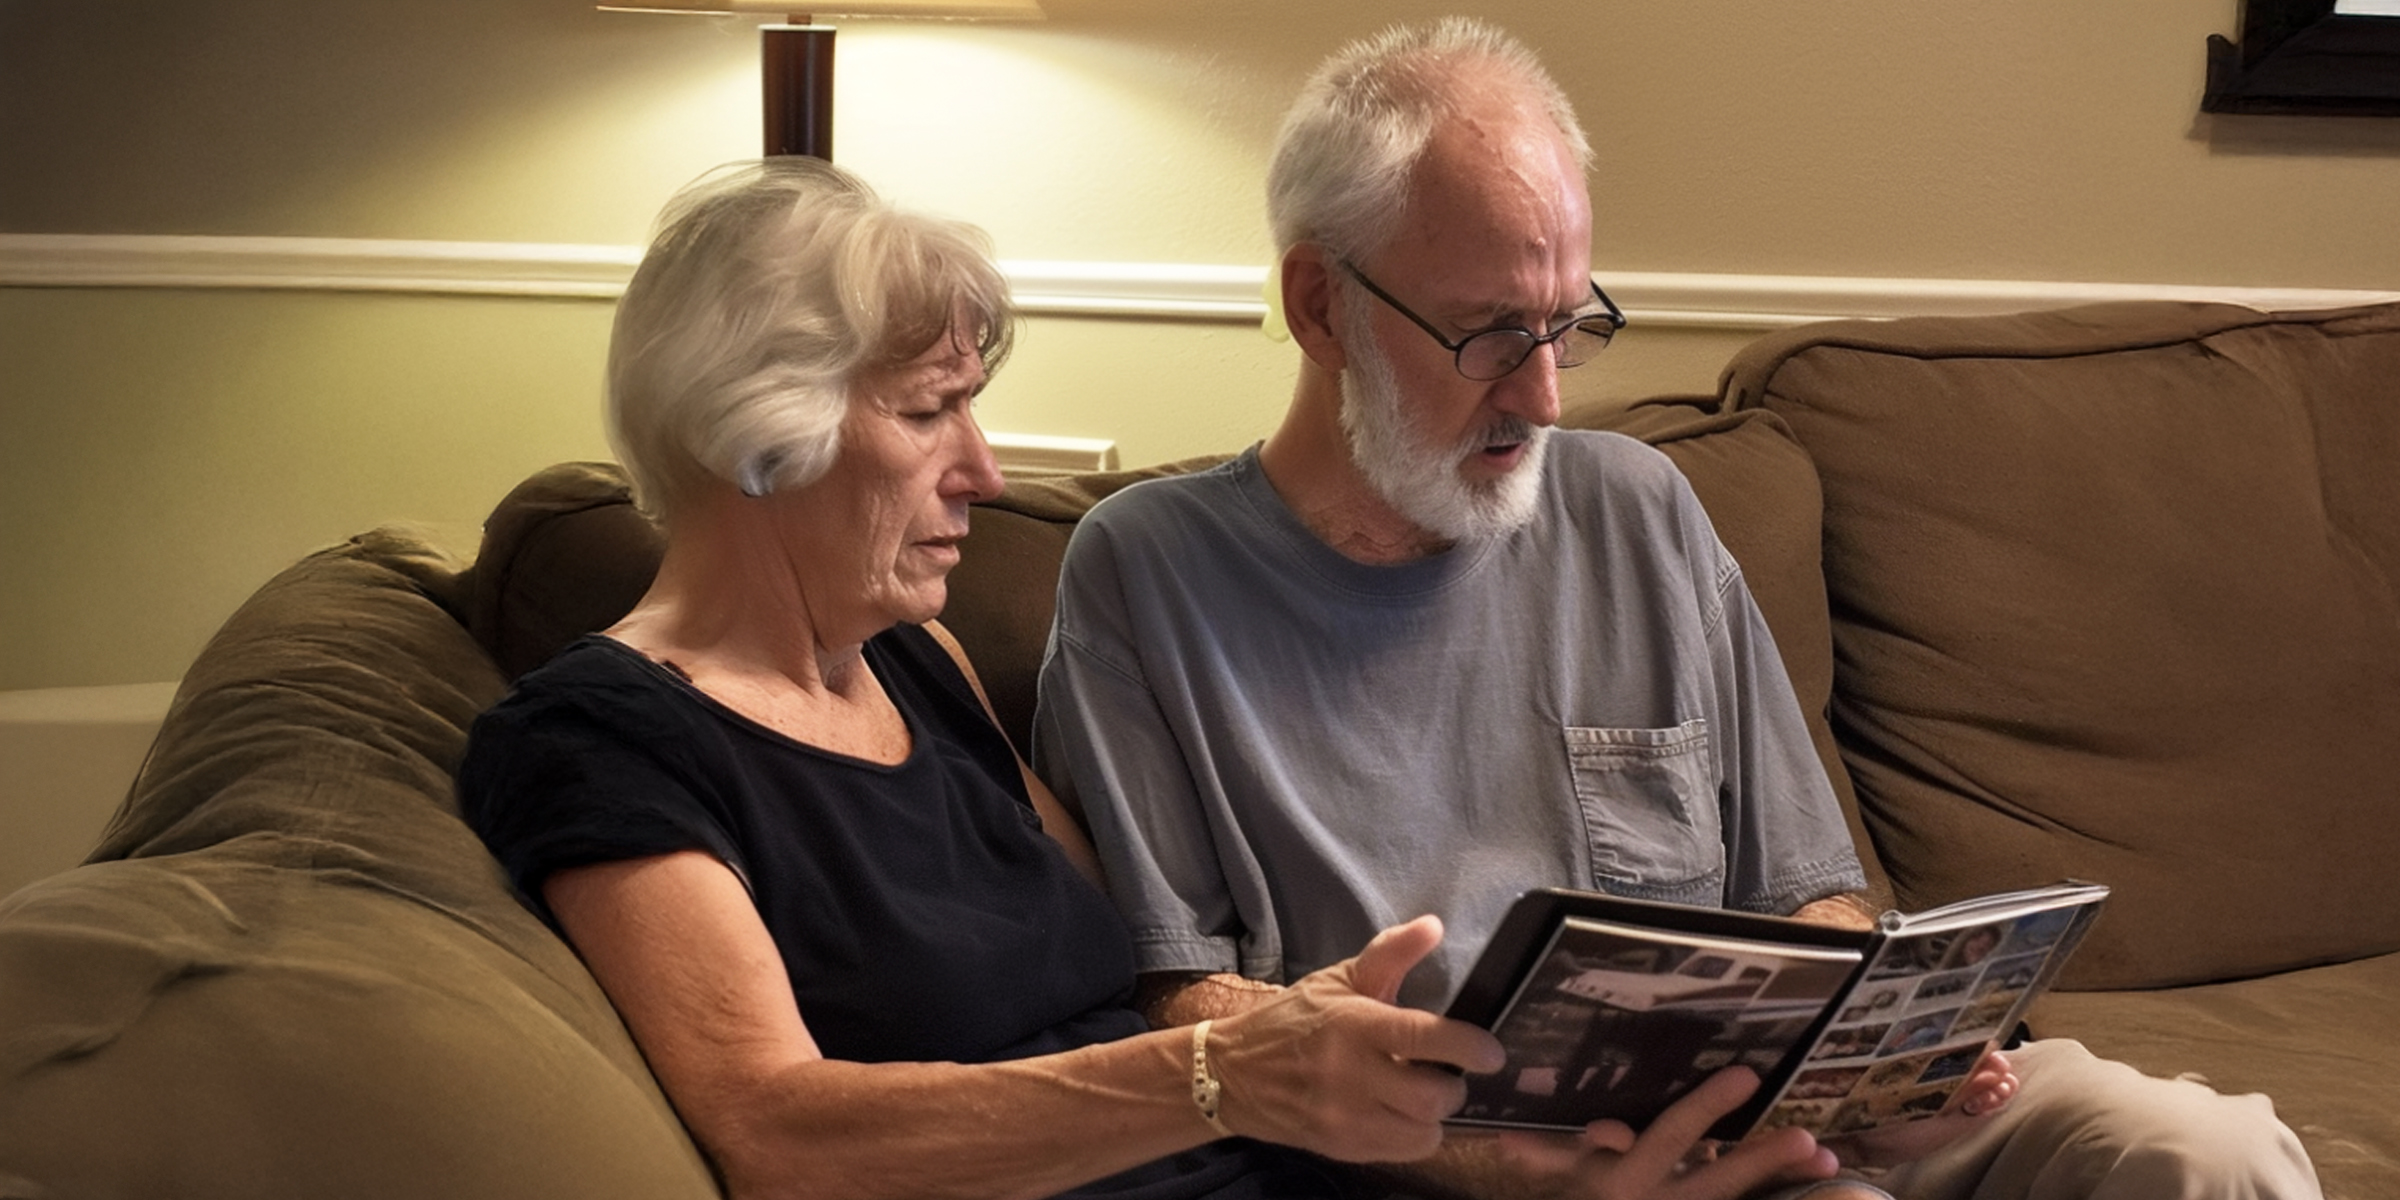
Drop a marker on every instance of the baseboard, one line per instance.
(1150, 291)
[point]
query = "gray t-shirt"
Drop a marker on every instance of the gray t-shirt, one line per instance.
(1281, 751)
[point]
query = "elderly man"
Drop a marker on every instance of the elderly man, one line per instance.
(1417, 652)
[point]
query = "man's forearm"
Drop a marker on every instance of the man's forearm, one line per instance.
(1844, 911)
(1172, 998)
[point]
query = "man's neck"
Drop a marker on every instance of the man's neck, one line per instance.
(1307, 461)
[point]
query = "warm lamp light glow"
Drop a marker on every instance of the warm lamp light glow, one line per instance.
(796, 59)
(970, 10)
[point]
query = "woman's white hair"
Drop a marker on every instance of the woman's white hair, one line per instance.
(1340, 173)
(769, 289)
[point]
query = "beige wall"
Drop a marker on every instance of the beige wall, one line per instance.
(2033, 139)
(67, 756)
(161, 451)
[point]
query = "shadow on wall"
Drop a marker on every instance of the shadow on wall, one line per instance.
(2299, 137)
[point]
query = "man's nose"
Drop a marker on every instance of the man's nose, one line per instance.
(1531, 391)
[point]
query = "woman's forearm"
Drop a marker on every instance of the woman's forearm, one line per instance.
(1328, 1064)
(681, 952)
(1017, 1129)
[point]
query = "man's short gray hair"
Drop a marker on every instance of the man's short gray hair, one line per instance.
(1342, 160)
(769, 289)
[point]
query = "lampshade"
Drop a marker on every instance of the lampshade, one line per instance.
(796, 59)
(970, 10)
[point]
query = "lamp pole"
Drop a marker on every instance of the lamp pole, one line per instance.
(797, 62)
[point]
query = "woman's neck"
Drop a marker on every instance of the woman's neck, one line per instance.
(734, 624)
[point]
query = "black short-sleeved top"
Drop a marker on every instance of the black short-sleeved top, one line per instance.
(922, 914)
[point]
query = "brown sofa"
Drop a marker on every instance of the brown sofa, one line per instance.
(2110, 592)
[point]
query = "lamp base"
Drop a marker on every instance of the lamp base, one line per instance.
(797, 65)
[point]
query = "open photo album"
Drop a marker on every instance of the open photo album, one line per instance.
(1613, 1008)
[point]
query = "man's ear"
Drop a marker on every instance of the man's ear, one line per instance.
(1309, 305)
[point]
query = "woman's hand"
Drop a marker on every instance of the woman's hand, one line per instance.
(1330, 1064)
(1988, 1090)
(1669, 1160)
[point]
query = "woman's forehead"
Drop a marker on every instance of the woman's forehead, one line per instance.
(950, 362)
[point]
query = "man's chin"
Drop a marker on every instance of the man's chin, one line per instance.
(1486, 495)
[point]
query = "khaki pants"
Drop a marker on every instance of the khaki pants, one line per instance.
(2084, 1128)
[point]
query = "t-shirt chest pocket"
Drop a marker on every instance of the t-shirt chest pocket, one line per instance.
(1650, 811)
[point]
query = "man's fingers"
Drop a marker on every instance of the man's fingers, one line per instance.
(1668, 1143)
(1378, 969)
(1615, 1137)
(1986, 1096)
(1686, 1121)
(1651, 1164)
(1990, 1088)
(1778, 1154)
(1542, 1155)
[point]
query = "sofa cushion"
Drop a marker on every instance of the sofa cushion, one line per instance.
(1761, 494)
(565, 553)
(1004, 590)
(2116, 594)
(291, 970)
(2324, 1042)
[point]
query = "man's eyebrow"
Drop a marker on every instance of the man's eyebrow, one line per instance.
(1501, 314)
(1474, 317)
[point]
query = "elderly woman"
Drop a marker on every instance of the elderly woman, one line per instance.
(863, 950)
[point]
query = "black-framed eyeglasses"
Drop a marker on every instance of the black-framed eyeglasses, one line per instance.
(1493, 353)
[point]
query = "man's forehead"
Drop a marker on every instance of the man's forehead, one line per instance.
(1498, 159)
(1515, 216)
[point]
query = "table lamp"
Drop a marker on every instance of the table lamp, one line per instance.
(796, 58)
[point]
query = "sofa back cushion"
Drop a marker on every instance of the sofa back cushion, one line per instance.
(1004, 591)
(290, 969)
(2116, 595)
(565, 553)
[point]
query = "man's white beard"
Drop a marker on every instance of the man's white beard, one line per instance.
(1420, 480)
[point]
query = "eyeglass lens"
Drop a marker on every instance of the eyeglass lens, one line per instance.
(1496, 352)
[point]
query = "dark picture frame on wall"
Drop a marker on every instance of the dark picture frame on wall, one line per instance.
(2305, 58)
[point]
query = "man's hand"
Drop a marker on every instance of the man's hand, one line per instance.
(1670, 1160)
(1987, 1091)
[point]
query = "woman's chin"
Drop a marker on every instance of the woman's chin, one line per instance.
(923, 604)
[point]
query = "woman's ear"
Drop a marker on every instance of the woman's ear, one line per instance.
(1310, 305)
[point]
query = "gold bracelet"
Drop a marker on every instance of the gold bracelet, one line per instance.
(1207, 1090)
